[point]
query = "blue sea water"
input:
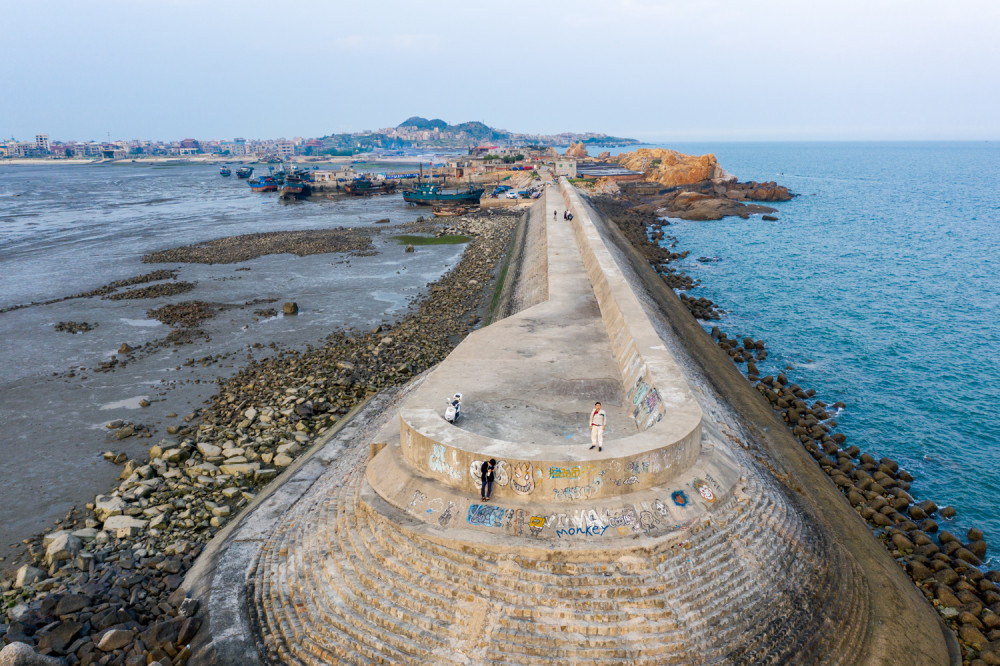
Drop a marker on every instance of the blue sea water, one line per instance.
(880, 286)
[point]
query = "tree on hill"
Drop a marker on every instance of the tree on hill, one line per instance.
(423, 123)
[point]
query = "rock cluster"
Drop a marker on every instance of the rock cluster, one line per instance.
(153, 291)
(233, 249)
(105, 290)
(75, 326)
(671, 168)
(947, 569)
(577, 150)
(187, 313)
(105, 587)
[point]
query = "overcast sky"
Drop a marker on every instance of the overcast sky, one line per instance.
(667, 70)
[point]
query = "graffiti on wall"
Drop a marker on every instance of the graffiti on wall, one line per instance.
(580, 492)
(569, 472)
(522, 481)
(704, 490)
(486, 515)
(648, 406)
(589, 531)
(438, 464)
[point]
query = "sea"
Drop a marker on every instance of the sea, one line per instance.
(879, 286)
(67, 229)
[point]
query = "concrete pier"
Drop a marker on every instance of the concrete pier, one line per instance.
(684, 541)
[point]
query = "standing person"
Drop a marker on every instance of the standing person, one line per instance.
(486, 473)
(598, 419)
(554, 214)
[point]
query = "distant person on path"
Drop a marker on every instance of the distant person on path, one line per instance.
(486, 472)
(598, 419)
(554, 214)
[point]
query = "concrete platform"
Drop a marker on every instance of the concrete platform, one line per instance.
(685, 541)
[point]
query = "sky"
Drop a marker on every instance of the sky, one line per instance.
(705, 70)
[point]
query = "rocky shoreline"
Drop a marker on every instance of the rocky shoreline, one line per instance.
(947, 569)
(105, 586)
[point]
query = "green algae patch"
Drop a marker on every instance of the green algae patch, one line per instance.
(450, 239)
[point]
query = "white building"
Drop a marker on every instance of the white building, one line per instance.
(42, 142)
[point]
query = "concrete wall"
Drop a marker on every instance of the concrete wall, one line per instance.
(629, 329)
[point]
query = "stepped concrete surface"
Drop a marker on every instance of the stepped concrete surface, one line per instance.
(701, 533)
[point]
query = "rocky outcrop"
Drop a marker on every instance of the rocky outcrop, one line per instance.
(577, 150)
(604, 157)
(754, 191)
(697, 206)
(671, 168)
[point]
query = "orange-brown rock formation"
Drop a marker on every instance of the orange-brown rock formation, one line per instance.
(577, 150)
(670, 168)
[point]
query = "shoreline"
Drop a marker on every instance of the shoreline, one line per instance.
(151, 527)
(945, 569)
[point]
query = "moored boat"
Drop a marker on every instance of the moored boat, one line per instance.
(360, 187)
(244, 172)
(429, 195)
(293, 188)
(263, 184)
(225, 171)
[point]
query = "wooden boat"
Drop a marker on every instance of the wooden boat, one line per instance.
(225, 171)
(447, 211)
(244, 172)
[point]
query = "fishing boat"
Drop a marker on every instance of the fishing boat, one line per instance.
(360, 187)
(447, 211)
(244, 172)
(263, 184)
(225, 171)
(294, 187)
(429, 195)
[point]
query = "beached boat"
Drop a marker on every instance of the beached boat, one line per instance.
(447, 211)
(364, 186)
(294, 187)
(244, 172)
(429, 195)
(263, 184)
(225, 171)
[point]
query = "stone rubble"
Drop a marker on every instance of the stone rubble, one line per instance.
(105, 588)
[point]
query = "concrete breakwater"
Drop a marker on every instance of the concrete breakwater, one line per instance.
(382, 551)
(106, 586)
(947, 569)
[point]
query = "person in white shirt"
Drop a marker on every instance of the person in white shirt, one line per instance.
(597, 422)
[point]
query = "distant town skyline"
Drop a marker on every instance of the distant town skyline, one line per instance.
(655, 71)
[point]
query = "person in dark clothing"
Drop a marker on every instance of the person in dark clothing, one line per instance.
(486, 472)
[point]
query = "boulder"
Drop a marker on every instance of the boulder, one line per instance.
(63, 547)
(20, 654)
(60, 636)
(290, 308)
(115, 523)
(71, 603)
(577, 150)
(115, 639)
(671, 168)
(27, 575)
(209, 450)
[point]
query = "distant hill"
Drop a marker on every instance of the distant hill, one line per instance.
(423, 123)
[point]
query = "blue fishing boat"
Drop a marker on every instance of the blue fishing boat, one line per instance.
(429, 195)
(263, 184)
(244, 172)
(225, 171)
